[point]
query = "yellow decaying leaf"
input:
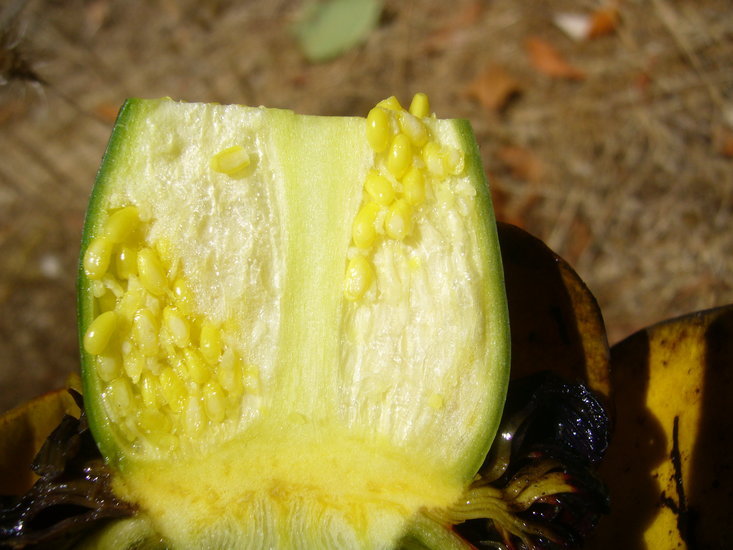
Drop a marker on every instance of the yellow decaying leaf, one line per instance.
(22, 432)
(669, 467)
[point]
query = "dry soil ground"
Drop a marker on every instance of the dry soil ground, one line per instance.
(616, 150)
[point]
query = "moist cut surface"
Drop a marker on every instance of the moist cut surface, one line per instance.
(293, 328)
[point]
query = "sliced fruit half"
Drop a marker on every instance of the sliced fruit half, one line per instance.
(293, 328)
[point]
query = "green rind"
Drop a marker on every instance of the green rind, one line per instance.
(130, 112)
(500, 341)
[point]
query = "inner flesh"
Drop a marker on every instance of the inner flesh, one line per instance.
(262, 352)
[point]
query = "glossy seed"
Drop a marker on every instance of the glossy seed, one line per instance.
(399, 157)
(413, 186)
(149, 391)
(359, 277)
(121, 224)
(119, 397)
(134, 363)
(177, 327)
(145, 331)
(196, 367)
(152, 274)
(229, 374)
(364, 231)
(398, 223)
(183, 296)
(172, 389)
(420, 105)
(433, 157)
(97, 257)
(214, 402)
(231, 161)
(414, 129)
(379, 188)
(210, 342)
(100, 332)
(390, 103)
(126, 262)
(378, 129)
(194, 414)
(152, 420)
(108, 367)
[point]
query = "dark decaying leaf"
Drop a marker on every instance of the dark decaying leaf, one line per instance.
(538, 489)
(671, 460)
(72, 495)
(556, 323)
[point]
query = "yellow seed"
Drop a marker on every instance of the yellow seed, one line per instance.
(97, 257)
(108, 367)
(379, 188)
(149, 391)
(210, 342)
(420, 105)
(152, 274)
(126, 262)
(214, 402)
(194, 414)
(398, 223)
(230, 161)
(399, 157)
(414, 129)
(364, 232)
(177, 327)
(121, 224)
(359, 277)
(229, 374)
(183, 296)
(432, 154)
(152, 420)
(145, 331)
(197, 369)
(390, 103)
(453, 161)
(172, 389)
(119, 397)
(413, 186)
(100, 332)
(378, 129)
(153, 365)
(134, 364)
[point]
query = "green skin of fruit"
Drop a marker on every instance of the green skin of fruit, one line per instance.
(318, 165)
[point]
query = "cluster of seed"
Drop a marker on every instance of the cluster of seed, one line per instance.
(407, 160)
(166, 371)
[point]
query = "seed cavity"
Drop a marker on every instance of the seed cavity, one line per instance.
(167, 372)
(410, 167)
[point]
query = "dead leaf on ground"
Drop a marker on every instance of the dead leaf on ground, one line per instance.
(723, 141)
(549, 61)
(493, 87)
(604, 21)
(451, 31)
(586, 26)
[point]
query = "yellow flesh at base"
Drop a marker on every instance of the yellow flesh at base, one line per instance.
(287, 353)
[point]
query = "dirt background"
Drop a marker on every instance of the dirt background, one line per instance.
(617, 150)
